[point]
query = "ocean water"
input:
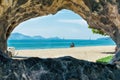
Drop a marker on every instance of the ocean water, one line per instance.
(48, 44)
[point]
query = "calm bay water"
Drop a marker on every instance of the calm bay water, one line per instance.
(47, 44)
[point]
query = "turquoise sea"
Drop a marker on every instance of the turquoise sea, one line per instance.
(45, 44)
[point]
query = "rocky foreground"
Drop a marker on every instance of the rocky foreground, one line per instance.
(63, 68)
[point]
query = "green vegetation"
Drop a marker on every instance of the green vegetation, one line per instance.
(96, 31)
(105, 59)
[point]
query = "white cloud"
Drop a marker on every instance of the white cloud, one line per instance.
(73, 21)
(39, 18)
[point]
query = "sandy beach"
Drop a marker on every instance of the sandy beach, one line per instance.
(83, 53)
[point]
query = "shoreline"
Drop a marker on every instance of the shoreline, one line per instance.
(66, 47)
(89, 53)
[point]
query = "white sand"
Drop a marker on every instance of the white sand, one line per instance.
(84, 53)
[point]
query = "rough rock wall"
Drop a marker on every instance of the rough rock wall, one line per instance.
(64, 68)
(100, 14)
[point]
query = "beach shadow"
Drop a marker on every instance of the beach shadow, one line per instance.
(108, 52)
(20, 57)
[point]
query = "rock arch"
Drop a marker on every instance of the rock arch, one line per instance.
(100, 14)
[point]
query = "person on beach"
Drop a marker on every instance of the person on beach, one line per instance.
(72, 45)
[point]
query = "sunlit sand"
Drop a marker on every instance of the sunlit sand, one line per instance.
(83, 53)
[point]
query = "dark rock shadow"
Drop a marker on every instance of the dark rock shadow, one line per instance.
(62, 68)
(23, 57)
(108, 52)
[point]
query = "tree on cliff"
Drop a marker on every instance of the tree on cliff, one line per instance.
(96, 31)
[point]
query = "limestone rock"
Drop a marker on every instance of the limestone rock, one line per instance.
(103, 15)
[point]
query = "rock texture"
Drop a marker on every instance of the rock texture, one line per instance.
(103, 15)
(64, 68)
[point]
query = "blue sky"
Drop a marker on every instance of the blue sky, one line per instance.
(64, 24)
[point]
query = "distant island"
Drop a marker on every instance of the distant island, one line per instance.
(106, 38)
(21, 41)
(19, 36)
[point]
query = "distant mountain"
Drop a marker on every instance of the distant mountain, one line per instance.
(19, 36)
(53, 38)
(38, 37)
(106, 38)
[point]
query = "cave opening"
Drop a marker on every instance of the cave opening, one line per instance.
(99, 14)
(55, 31)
